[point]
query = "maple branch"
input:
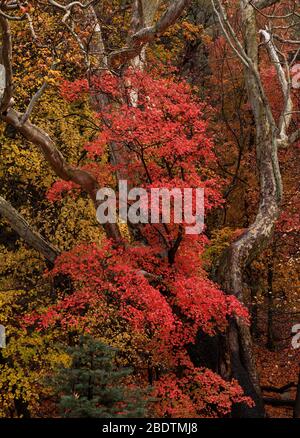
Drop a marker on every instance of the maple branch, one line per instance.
(280, 390)
(40, 138)
(286, 115)
(149, 9)
(12, 17)
(21, 226)
(295, 136)
(57, 162)
(285, 41)
(32, 103)
(230, 34)
(147, 34)
(96, 43)
(9, 6)
(137, 16)
(272, 16)
(279, 402)
(262, 4)
(68, 9)
(31, 27)
(175, 247)
(249, 62)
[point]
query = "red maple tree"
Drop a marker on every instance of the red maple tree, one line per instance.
(156, 281)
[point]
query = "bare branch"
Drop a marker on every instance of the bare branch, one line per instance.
(32, 103)
(40, 138)
(12, 17)
(68, 9)
(24, 230)
(221, 15)
(148, 34)
(57, 162)
(96, 46)
(295, 136)
(286, 115)
(285, 41)
(262, 4)
(290, 14)
(249, 62)
(31, 27)
(9, 6)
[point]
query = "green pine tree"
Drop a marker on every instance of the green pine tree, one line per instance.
(93, 387)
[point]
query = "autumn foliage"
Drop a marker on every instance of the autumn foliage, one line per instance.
(165, 304)
(176, 116)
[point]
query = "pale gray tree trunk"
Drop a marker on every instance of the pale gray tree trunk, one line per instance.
(238, 358)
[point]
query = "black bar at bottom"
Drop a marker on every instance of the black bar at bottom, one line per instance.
(141, 427)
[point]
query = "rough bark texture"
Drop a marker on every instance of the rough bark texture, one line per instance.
(149, 9)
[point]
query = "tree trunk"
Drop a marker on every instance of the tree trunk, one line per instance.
(32, 238)
(254, 285)
(239, 362)
(270, 304)
(297, 402)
